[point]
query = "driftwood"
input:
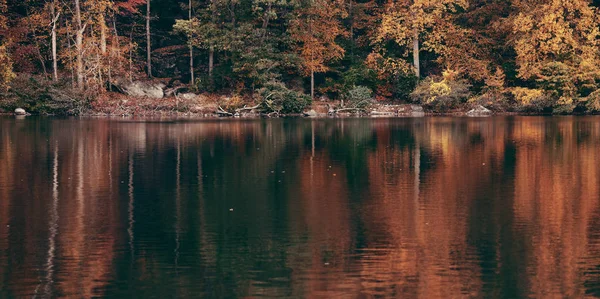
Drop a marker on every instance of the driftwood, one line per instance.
(342, 109)
(246, 108)
(220, 111)
(236, 112)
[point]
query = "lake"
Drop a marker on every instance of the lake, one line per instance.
(435, 207)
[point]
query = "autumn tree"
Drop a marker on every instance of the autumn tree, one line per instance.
(557, 44)
(6, 73)
(314, 29)
(417, 24)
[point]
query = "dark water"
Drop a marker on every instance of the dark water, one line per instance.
(503, 207)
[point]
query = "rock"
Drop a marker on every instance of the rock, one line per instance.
(417, 111)
(416, 108)
(479, 110)
(188, 96)
(20, 111)
(142, 89)
(311, 113)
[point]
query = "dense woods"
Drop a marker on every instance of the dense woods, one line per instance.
(512, 55)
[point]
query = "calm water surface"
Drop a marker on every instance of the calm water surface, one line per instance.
(503, 207)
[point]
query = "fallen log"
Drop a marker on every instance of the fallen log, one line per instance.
(220, 111)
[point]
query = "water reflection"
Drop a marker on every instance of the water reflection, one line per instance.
(436, 207)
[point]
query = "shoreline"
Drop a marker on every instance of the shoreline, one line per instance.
(207, 106)
(189, 115)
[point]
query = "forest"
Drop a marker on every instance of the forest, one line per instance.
(72, 56)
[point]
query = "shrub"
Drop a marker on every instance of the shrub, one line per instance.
(276, 97)
(231, 103)
(441, 95)
(493, 99)
(532, 100)
(556, 79)
(592, 101)
(41, 96)
(564, 105)
(403, 85)
(359, 96)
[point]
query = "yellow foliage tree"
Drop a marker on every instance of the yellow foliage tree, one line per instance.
(6, 73)
(408, 22)
(557, 43)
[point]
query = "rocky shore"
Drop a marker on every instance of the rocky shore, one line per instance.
(157, 99)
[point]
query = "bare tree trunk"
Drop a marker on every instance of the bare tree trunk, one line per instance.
(53, 33)
(192, 80)
(102, 35)
(416, 53)
(116, 43)
(211, 60)
(312, 84)
(148, 45)
(110, 74)
(69, 37)
(131, 54)
(266, 20)
(40, 56)
(79, 45)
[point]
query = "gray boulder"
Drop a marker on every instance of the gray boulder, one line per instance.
(478, 111)
(20, 111)
(417, 111)
(188, 96)
(142, 89)
(311, 113)
(416, 108)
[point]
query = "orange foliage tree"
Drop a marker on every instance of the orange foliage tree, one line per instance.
(314, 30)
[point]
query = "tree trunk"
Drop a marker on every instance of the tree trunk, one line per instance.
(266, 20)
(312, 85)
(211, 60)
(102, 35)
(69, 37)
(191, 46)
(116, 44)
(79, 45)
(148, 46)
(53, 33)
(416, 53)
(131, 54)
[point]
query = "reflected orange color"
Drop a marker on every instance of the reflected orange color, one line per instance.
(420, 208)
(557, 193)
